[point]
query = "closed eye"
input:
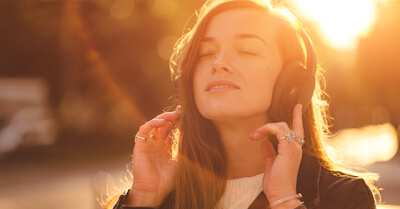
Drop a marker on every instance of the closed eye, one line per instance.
(247, 52)
(206, 54)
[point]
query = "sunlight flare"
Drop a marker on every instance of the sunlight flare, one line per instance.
(341, 22)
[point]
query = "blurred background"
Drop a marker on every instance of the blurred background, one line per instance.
(78, 77)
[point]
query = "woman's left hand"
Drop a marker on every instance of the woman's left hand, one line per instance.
(281, 168)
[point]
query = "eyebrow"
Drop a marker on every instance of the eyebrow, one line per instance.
(239, 36)
(247, 36)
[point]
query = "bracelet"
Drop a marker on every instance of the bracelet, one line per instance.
(299, 206)
(297, 196)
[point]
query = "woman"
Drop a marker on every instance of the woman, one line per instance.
(238, 138)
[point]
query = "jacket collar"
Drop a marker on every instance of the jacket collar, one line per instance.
(308, 180)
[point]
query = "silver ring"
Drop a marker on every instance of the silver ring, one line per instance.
(300, 140)
(290, 135)
(140, 137)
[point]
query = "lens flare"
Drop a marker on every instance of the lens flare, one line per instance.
(341, 22)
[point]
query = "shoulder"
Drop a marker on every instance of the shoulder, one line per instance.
(344, 191)
(326, 189)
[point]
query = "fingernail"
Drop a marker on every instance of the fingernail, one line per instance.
(251, 135)
(256, 135)
(161, 120)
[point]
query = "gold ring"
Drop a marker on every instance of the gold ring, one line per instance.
(151, 136)
(140, 137)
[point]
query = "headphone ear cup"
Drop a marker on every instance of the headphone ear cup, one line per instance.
(277, 97)
(283, 97)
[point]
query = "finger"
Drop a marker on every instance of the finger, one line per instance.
(268, 153)
(167, 133)
(170, 116)
(165, 130)
(277, 129)
(146, 128)
(298, 120)
(178, 109)
(153, 133)
(267, 150)
(172, 120)
(168, 139)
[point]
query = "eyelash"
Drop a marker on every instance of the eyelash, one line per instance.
(206, 54)
(246, 52)
(250, 52)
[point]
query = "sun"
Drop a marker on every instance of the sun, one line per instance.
(341, 22)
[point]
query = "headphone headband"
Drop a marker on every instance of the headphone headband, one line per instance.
(311, 55)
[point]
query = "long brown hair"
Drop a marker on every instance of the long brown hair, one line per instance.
(201, 172)
(201, 176)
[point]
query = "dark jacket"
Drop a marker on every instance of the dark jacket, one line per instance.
(322, 189)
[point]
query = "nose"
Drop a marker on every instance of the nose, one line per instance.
(222, 63)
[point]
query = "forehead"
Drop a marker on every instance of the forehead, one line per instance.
(236, 21)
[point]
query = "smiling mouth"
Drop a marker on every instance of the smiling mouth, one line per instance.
(220, 87)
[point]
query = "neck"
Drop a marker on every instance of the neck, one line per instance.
(243, 155)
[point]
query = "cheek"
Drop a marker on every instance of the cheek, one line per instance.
(262, 86)
(261, 91)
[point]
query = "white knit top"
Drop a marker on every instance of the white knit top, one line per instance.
(241, 192)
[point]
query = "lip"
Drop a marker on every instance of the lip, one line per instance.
(221, 82)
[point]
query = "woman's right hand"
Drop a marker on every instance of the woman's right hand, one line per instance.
(154, 170)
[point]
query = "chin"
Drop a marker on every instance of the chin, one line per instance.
(229, 113)
(233, 112)
(216, 111)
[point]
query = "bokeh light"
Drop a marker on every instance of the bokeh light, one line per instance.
(388, 207)
(165, 46)
(164, 9)
(122, 9)
(367, 145)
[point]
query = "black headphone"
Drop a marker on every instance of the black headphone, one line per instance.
(295, 84)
